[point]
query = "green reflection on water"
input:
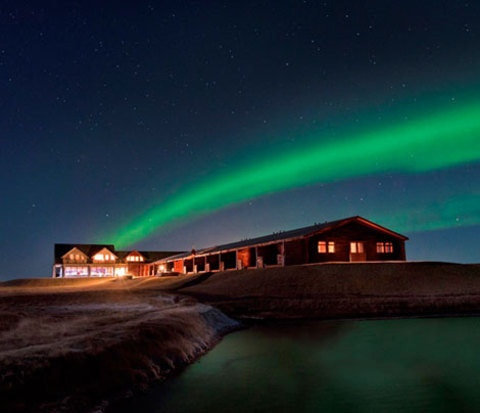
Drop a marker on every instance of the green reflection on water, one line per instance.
(413, 365)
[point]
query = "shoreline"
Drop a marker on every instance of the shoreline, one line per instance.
(81, 360)
(77, 345)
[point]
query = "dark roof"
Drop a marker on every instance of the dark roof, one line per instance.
(277, 236)
(285, 235)
(150, 256)
(88, 249)
(157, 255)
(91, 249)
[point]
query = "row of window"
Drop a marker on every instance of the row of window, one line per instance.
(103, 257)
(94, 271)
(325, 247)
(77, 257)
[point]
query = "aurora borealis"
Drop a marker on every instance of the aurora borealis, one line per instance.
(171, 125)
(448, 138)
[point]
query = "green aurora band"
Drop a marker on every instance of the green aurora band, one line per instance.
(447, 138)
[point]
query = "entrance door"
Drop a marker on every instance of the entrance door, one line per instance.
(357, 251)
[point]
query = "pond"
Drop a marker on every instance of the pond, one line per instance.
(413, 365)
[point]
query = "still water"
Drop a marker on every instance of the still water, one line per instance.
(411, 365)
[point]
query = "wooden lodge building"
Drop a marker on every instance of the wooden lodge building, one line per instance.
(353, 239)
(101, 260)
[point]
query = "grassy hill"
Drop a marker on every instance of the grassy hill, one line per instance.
(344, 290)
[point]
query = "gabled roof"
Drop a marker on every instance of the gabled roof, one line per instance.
(74, 250)
(88, 249)
(106, 250)
(288, 235)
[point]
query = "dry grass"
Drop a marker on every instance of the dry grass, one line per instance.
(345, 290)
(65, 348)
(69, 342)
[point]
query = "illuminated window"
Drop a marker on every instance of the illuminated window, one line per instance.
(120, 271)
(72, 257)
(76, 271)
(384, 247)
(141, 258)
(356, 247)
(98, 257)
(326, 246)
(101, 271)
(77, 257)
(136, 258)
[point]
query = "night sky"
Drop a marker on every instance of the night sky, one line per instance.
(178, 124)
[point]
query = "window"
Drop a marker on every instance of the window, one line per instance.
(384, 247)
(76, 271)
(98, 257)
(120, 271)
(102, 271)
(356, 247)
(326, 246)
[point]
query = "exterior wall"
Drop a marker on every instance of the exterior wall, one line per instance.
(354, 232)
(295, 252)
(270, 253)
(247, 257)
(188, 264)
(213, 262)
(229, 260)
(199, 264)
(135, 269)
(178, 266)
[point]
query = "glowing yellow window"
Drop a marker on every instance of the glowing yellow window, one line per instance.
(356, 247)
(326, 246)
(322, 247)
(384, 247)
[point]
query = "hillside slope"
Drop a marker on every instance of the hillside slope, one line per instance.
(344, 290)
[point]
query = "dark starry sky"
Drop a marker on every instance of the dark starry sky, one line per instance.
(109, 108)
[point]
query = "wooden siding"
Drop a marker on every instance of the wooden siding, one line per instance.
(351, 232)
(295, 252)
(178, 266)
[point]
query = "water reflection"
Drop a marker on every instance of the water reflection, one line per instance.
(413, 365)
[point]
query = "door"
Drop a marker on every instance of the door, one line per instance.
(357, 251)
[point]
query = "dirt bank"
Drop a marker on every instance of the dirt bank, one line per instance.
(72, 344)
(344, 290)
(72, 350)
